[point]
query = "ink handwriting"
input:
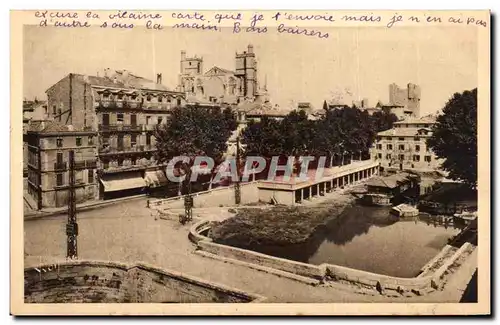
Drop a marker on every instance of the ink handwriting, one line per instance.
(280, 22)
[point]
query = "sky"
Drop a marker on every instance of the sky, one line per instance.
(298, 68)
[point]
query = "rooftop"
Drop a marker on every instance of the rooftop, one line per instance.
(429, 119)
(122, 79)
(50, 126)
(405, 132)
(391, 181)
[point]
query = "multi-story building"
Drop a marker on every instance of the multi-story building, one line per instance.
(32, 110)
(49, 144)
(404, 146)
(122, 109)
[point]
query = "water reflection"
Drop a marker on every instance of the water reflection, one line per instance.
(371, 239)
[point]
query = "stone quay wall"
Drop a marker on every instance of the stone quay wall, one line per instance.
(110, 282)
(328, 272)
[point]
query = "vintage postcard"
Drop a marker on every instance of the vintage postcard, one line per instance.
(250, 162)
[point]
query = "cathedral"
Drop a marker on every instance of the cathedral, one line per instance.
(219, 85)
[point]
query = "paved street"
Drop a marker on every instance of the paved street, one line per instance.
(129, 232)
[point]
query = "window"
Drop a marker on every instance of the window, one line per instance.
(105, 139)
(379, 146)
(416, 157)
(90, 176)
(178, 102)
(90, 140)
(133, 119)
(389, 147)
(148, 98)
(59, 114)
(160, 119)
(389, 138)
(417, 148)
(148, 139)
(105, 164)
(133, 97)
(379, 138)
(379, 156)
(427, 158)
(120, 96)
(416, 139)
(133, 161)
(148, 120)
(119, 117)
(54, 109)
(78, 141)
(401, 147)
(388, 156)
(133, 140)
(401, 157)
(160, 99)
(120, 142)
(59, 143)
(59, 179)
(120, 161)
(401, 139)
(169, 99)
(105, 119)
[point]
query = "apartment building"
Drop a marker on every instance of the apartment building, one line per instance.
(49, 144)
(404, 146)
(122, 109)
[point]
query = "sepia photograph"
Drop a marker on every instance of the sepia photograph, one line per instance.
(259, 159)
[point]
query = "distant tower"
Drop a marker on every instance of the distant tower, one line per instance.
(191, 66)
(414, 99)
(246, 72)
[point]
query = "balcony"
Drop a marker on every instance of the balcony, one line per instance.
(61, 166)
(85, 164)
(118, 104)
(120, 128)
(106, 150)
(158, 106)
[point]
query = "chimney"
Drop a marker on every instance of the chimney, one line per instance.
(158, 78)
(125, 74)
(183, 55)
(250, 48)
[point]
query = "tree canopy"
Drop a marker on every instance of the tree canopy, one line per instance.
(193, 131)
(339, 131)
(454, 137)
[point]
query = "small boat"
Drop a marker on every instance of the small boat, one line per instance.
(404, 210)
(468, 216)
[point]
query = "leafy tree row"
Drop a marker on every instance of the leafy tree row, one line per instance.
(341, 133)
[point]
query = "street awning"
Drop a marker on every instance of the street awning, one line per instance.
(119, 182)
(155, 178)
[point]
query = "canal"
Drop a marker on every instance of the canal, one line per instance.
(371, 239)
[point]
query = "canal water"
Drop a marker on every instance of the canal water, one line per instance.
(371, 239)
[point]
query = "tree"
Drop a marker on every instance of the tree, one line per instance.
(383, 120)
(193, 131)
(454, 137)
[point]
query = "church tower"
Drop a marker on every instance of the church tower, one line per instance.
(246, 72)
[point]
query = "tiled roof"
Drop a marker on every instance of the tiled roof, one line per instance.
(49, 126)
(402, 132)
(131, 81)
(391, 181)
(423, 120)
